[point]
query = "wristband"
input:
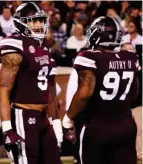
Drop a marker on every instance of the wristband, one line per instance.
(67, 122)
(57, 124)
(6, 125)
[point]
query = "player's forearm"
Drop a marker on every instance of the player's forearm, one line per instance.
(53, 110)
(4, 105)
(52, 100)
(78, 105)
(86, 85)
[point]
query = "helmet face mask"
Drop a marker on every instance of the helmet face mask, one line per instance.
(31, 21)
(36, 30)
(104, 31)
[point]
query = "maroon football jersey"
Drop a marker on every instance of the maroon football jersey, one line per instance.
(116, 84)
(31, 84)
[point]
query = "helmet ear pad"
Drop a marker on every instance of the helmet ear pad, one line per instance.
(107, 36)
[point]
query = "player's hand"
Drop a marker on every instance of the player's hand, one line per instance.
(69, 130)
(11, 140)
(57, 126)
(70, 134)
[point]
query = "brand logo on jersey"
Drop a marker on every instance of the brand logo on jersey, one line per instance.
(45, 48)
(32, 121)
(42, 59)
(31, 49)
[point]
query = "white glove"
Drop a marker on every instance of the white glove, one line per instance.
(67, 122)
(57, 126)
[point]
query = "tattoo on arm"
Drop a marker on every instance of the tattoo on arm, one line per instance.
(10, 66)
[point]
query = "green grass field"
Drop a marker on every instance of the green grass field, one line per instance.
(65, 161)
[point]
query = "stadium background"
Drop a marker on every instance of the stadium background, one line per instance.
(63, 23)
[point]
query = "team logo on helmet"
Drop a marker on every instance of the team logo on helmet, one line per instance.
(31, 49)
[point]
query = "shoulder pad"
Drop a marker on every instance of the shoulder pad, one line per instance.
(85, 60)
(11, 45)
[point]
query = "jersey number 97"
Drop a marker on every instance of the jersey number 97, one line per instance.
(115, 85)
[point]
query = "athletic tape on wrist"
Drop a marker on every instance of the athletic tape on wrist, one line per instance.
(67, 122)
(6, 125)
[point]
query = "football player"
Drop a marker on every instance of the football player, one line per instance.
(27, 79)
(107, 84)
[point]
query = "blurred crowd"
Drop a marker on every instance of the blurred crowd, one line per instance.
(69, 21)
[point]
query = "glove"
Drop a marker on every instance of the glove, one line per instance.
(69, 129)
(57, 126)
(11, 140)
(70, 135)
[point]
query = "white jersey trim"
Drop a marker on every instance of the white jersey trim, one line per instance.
(12, 42)
(7, 51)
(22, 159)
(83, 61)
(81, 144)
(53, 71)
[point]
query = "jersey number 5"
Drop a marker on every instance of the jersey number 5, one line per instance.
(42, 77)
(115, 85)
